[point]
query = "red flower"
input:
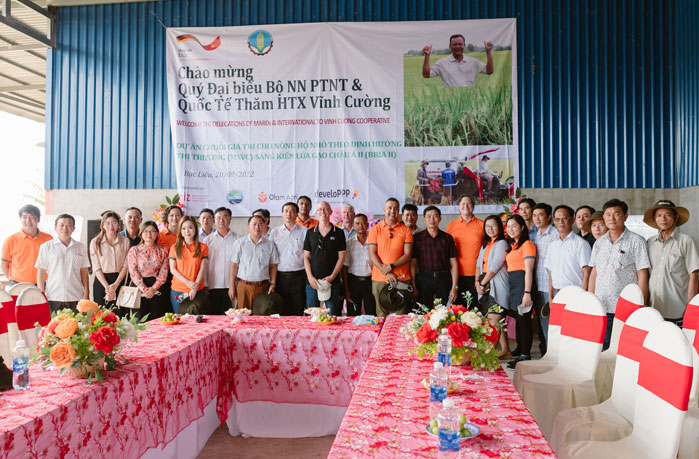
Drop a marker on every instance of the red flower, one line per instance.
(425, 334)
(459, 333)
(108, 317)
(457, 308)
(104, 339)
(493, 337)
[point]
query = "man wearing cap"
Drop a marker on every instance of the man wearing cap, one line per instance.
(595, 227)
(291, 274)
(424, 181)
(20, 251)
(486, 173)
(674, 262)
(467, 231)
(448, 182)
(619, 258)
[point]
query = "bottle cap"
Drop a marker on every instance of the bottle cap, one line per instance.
(444, 331)
(448, 403)
(20, 343)
(438, 365)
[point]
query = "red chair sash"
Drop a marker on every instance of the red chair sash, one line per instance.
(556, 313)
(691, 317)
(669, 380)
(3, 322)
(631, 342)
(8, 308)
(28, 315)
(587, 327)
(624, 308)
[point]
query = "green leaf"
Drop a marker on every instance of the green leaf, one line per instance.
(176, 198)
(518, 193)
(167, 199)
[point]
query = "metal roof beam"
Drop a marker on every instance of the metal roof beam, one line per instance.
(22, 101)
(22, 47)
(20, 66)
(33, 6)
(22, 87)
(7, 19)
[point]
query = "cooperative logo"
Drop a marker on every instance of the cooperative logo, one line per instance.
(210, 47)
(235, 197)
(262, 197)
(260, 42)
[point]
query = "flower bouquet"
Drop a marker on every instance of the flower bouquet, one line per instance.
(86, 343)
(472, 337)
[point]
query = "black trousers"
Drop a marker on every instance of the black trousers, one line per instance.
(56, 306)
(220, 301)
(467, 284)
(98, 293)
(291, 286)
(433, 285)
(360, 292)
(155, 307)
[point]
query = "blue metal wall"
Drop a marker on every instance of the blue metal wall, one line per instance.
(598, 81)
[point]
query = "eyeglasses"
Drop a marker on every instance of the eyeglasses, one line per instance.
(561, 219)
(390, 232)
(491, 226)
(321, 246)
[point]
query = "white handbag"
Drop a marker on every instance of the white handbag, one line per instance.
(129, 297)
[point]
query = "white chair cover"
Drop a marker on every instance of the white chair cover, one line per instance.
(548, 361)
(662, 394)
(571, 383)
(689, 441)
(15, 290)
(31, 307)
(611, 419)
(630, 299)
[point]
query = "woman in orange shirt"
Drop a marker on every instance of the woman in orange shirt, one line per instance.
(171, 216)
(520, 270)
(188, 260)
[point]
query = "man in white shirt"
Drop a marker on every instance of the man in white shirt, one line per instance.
(291, 275)
(206, 223)
(65, 261)
(347, 212)
(356, 274)
(543, 237)
(457, 69)
(486, 173)
(220, 244)
(267, 217)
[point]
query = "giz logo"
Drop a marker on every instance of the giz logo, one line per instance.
(262, 197)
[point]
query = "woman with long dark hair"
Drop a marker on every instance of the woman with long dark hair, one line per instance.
(108, 252)
(188, 261)
(148, 268)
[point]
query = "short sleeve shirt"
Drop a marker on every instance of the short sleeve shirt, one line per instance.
(565, 260)
(324, 250)
(468, 237)
(308, 224)
(390, 246)
(21, 251)
(515, 258)
(543, 242)
(433, 253)
(290, 246)
(455, 73)
(220, 252)
(357, 258)
(254, 259)
(672, 261)
(166, 238)
(63, 264)
(616, 264)
(188, 265)
(449, 177)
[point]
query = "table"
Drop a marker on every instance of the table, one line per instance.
(390, 408)
(173, 374)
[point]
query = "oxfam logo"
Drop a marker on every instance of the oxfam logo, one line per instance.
(235, 197)
(260, 42)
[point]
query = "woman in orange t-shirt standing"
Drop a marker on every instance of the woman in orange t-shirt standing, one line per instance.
(520, 260)
(188, 260)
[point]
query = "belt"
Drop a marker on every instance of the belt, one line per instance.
(255, 283)
(436, 274)
(362, 278)
(291, 273)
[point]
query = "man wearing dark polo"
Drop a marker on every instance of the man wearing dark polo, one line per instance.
(323, 257)
(434, 269)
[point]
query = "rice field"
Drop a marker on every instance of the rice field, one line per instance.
(444, 116)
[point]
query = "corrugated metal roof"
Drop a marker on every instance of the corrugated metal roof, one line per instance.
(596, 87)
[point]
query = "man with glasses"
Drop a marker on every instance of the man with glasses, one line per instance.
(220, 243)
(19, 252)
(544, 235)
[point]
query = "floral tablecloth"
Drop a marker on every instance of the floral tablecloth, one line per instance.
(172, 374)
(390, 408)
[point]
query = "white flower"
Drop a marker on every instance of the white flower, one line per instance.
(126, 330)
(437, 316)
(471, 319)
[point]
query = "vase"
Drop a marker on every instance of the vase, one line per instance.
(85, 369)
(463, 361)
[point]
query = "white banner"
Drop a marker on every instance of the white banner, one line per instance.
(344, 112)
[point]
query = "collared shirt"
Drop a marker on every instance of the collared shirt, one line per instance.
(357, 258)
(308, 224)
(532, 232)
(449, 177)
(254, 259)
(455, 73)
(203, 235)
(348, 234)
(166, 239)
(289, 244)
(145, 261)
(390, 246)
(188, 265)
(516, 256)
(433, 254)
(21, 250)
(62, 265)
(324, 250)
(543, 242)
(132, 242)
(220, 253)
(616, 264)
(565, 260)
(484, 169)
(468, 237)
(112, 257)
(671, 261)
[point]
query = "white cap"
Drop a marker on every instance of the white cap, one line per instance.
(20, 342)
(438, 365)
(448, 403)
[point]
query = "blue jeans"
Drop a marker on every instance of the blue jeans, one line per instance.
(334, 303)
(608, 333)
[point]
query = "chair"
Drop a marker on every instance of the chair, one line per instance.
(548, 361)
(7, 317)
(611, 419)
(689, 440)
(630, 299)
(571, 383)
(662, 395)
(32, 307)
(5, 350)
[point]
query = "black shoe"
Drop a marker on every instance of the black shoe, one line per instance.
(542, 349)
(517, 352)
(513, 363)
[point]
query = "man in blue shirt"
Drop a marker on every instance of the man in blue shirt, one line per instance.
(449, 178)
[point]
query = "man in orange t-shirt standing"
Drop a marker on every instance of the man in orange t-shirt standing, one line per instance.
(467, 231)
(390, 245)
(19, 252)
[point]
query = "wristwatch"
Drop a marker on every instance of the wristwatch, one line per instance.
(392, 266)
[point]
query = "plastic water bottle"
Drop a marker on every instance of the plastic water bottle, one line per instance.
(449, 428)
(444, 351)
(20, 366)
(438, 383)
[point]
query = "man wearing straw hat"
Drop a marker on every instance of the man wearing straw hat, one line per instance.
(674, 262)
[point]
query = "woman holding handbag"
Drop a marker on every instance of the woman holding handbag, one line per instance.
(108, 252)
(148, 267)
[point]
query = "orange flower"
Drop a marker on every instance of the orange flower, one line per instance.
(87, 306)
(66, 328)
(62, 354)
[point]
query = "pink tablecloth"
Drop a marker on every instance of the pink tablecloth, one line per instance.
(173, 373)
(389, 410)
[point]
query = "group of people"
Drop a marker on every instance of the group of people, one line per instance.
(509, 265)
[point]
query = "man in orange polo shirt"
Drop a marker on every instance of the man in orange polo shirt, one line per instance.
(390, 245)
(467, 231)
(304, 217)
(19, 252)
